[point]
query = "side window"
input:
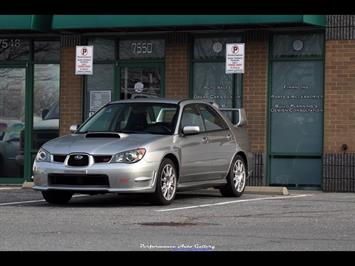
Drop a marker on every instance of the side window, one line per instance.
(191, 117)
(213, 121)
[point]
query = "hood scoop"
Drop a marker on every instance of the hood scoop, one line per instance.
(102, 135)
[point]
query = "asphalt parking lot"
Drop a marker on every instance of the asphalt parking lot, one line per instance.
(200, 220)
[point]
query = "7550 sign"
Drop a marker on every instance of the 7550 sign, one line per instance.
(6, 43)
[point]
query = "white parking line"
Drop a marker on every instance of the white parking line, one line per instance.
(230, 202)
(31, 201)
(10, 188)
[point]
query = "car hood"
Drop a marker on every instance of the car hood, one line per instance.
(99, 145)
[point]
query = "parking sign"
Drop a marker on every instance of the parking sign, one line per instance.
(234, 58)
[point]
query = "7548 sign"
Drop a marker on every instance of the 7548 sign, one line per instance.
(6, 43)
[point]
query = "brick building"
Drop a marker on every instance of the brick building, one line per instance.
(297, 88)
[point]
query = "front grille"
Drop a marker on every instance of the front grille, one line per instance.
(78, 180)
(78, 160)
(102, 158)
(59, 158)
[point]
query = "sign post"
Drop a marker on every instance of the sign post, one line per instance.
(235, 58)
(84, 60)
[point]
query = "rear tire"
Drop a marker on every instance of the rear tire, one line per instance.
(236, 179)
(57, 197)
(165, 189)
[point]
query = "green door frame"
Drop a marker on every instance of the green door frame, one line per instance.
(28, 123)
(269, 90)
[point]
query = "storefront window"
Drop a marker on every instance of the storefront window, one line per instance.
(99, 87)
(212, 84)
(45, 92)
(45, 104)
(298, 45)
(208, 48)
(12, 118)
(210, 81)
(47, 51)
(104, 49)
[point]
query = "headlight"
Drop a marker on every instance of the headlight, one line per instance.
(43, 156)
(131, 156)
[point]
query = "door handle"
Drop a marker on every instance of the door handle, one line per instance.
(205, 140)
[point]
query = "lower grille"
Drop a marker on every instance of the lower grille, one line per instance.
(102, 158)
(78, 180)
(59, 158)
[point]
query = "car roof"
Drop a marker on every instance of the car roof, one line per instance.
(147, 100)
(160, 100)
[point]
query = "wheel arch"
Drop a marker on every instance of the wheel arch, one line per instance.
(244, 157)
(175, 160)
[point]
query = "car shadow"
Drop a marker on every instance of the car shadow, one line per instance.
(121, 200)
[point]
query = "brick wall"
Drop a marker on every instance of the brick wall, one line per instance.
(176, 69)
(255, 92)
(70, 91)
(339, 111)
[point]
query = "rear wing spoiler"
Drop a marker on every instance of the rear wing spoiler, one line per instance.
(237, 114)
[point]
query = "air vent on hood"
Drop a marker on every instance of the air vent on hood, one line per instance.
(102, 135)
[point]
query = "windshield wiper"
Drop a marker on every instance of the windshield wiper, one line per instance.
(130, 131)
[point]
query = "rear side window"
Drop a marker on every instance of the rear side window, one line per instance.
(213, 121)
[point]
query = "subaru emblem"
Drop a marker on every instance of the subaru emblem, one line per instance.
(78, 157)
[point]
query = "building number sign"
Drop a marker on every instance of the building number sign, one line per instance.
(130, 49)
(138, 48)
(6, 43)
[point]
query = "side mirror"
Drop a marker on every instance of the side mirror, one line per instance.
(44, 113)
(191, 130)
(73, 128)
(242, 118)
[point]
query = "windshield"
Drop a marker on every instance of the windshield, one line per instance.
(135, 118)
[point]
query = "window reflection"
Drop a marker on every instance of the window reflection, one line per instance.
(12, 92)
(46, 104)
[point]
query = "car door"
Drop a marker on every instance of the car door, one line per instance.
(194, 152)
(220, 142)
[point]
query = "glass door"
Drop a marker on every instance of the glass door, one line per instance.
(12, 121)
(141, 81)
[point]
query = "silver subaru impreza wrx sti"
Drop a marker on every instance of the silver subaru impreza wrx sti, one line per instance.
(154, 146)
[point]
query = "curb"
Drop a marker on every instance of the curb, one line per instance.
(27, 184)
(266, 190)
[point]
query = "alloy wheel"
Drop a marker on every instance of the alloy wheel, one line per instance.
(239, 175)
(168, 182)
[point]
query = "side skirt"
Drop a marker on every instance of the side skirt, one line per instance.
(200, 184)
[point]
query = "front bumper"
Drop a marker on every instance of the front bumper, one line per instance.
(125, 178)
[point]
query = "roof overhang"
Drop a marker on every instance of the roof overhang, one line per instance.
(25, 22)
(77, 22)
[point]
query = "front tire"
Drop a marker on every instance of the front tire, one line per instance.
(236, 179)
(57, 197)
(165, 189)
